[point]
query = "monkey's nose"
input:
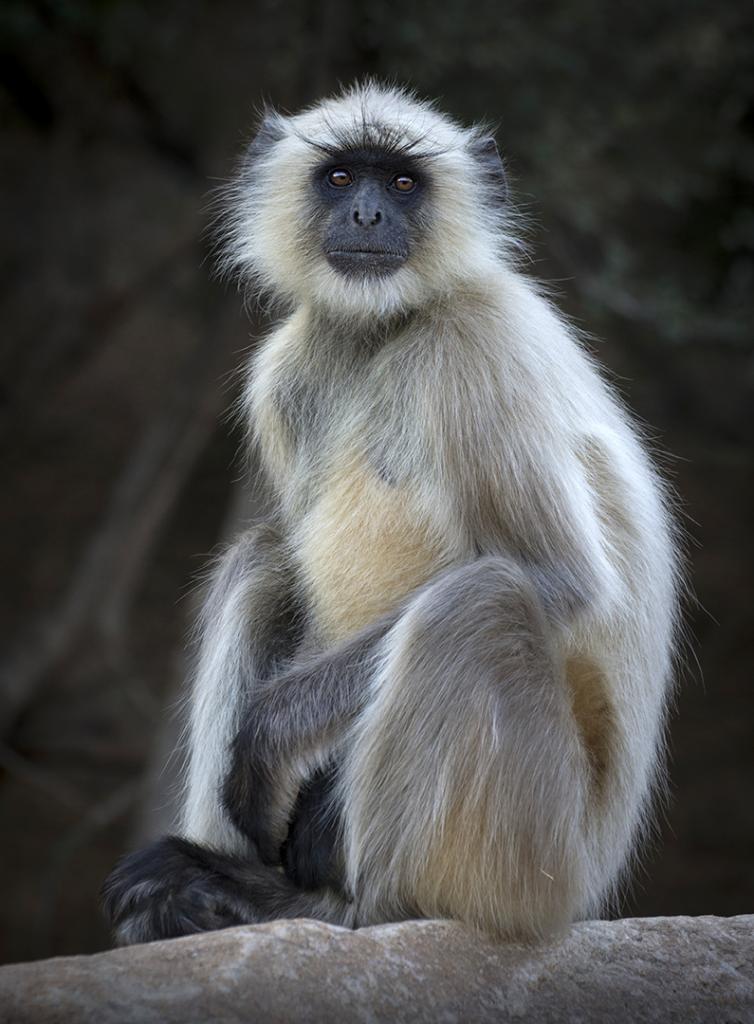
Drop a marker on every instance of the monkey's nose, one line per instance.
(366, 217)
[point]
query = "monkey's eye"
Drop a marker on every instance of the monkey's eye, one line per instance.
(340, 177)
(404, 183)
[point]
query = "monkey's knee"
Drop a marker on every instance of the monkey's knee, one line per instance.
(472, 610)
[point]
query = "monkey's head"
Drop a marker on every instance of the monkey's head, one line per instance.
(369, 203)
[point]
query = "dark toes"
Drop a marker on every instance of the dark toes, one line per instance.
(169, 889)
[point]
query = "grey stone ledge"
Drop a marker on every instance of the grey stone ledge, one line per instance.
(681, 969)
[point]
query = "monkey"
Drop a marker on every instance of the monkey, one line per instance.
(433, 680)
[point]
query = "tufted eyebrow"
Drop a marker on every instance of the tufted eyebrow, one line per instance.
(370, 137)
(372, 157)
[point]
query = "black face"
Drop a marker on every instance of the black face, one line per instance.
(372, 209)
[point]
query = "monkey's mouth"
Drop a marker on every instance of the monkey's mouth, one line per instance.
(365, 261)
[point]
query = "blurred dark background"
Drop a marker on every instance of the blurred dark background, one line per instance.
(629, 134)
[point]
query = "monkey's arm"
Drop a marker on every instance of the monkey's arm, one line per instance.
(250, 624)
(289, 728)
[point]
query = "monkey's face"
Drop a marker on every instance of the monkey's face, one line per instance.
(367, 204)
(370, 208)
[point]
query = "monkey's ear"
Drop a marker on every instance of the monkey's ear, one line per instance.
(270, 131)
(487, 155)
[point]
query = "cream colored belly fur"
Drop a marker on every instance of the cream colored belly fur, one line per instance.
(362, 548)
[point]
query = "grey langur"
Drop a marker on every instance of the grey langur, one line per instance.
(433, 682)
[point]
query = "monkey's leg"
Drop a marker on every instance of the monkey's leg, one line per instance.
(175, 887)
(466, 785)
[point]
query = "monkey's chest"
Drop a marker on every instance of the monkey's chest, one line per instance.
(363, 547)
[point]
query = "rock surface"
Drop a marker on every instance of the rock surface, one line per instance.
(659, 969)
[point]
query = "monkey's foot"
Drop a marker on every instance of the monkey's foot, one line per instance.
(174, 888)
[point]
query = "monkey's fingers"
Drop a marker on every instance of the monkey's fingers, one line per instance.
(248, 797)
(310, 853)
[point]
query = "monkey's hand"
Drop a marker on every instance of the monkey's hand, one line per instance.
(311, 853)
(261, 784)
(301, 832)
